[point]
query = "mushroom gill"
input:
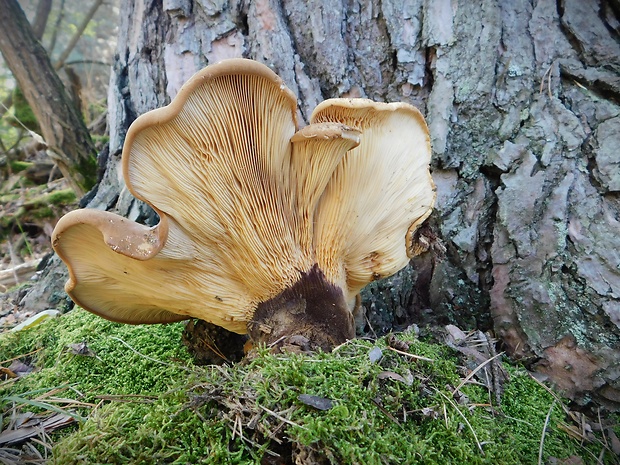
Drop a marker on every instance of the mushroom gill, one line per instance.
(263, 228)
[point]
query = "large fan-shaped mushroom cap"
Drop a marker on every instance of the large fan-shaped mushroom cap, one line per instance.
(249, 206)
(215, 165)
(379, 195)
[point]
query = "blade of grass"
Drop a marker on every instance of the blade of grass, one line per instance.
(544, 432)
(44, 406)
(464, 419)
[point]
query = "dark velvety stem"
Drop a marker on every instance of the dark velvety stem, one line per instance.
(312, 309)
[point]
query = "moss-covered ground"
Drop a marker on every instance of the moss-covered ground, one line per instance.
(140, 400)
(32, 205)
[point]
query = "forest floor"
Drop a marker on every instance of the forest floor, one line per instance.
(80, 389)
(32, 198)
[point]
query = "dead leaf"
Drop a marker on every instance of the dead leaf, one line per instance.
(572, 460)
(7, 373)
(430, 413)
(23, 419)
(51, 423)
(375, 354)
(615, 442)
(394, 376)
(456, 334)
(317, 402)
(20, 368)
(82, 349)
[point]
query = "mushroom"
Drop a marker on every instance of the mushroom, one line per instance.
(264, 229)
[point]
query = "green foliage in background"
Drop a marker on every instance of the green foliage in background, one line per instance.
(22, 115)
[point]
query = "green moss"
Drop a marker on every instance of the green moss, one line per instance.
(187, 414)
(61, 197)
(23, 112)
(59, 366)
(38, 206)
(9, 197)
(87, 168)
(19, 166)
(42, 213)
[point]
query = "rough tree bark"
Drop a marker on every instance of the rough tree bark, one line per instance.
(522, 99)
(62, 126)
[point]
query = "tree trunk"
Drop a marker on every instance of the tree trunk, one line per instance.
(522, 104)
(61, 125)
(40, 18)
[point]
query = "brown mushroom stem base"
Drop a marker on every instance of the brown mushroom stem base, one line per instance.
(210, 344)
(312, 314)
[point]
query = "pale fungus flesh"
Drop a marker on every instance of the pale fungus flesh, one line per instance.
(264, 228)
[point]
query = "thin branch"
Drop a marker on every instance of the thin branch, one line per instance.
(600, 423)
(416, 357)
(495, 371)
(476, 370)
(6, 104)
(40, 18)
(281, 418)
(3, 362)
(32, 134)
(61, 15)
(550, 391)
(78, 34)
(87, 62)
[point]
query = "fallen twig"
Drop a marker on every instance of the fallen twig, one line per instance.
(474, 371)
(18, 274)
(417, 357)
(544, 432)
(281, 418)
